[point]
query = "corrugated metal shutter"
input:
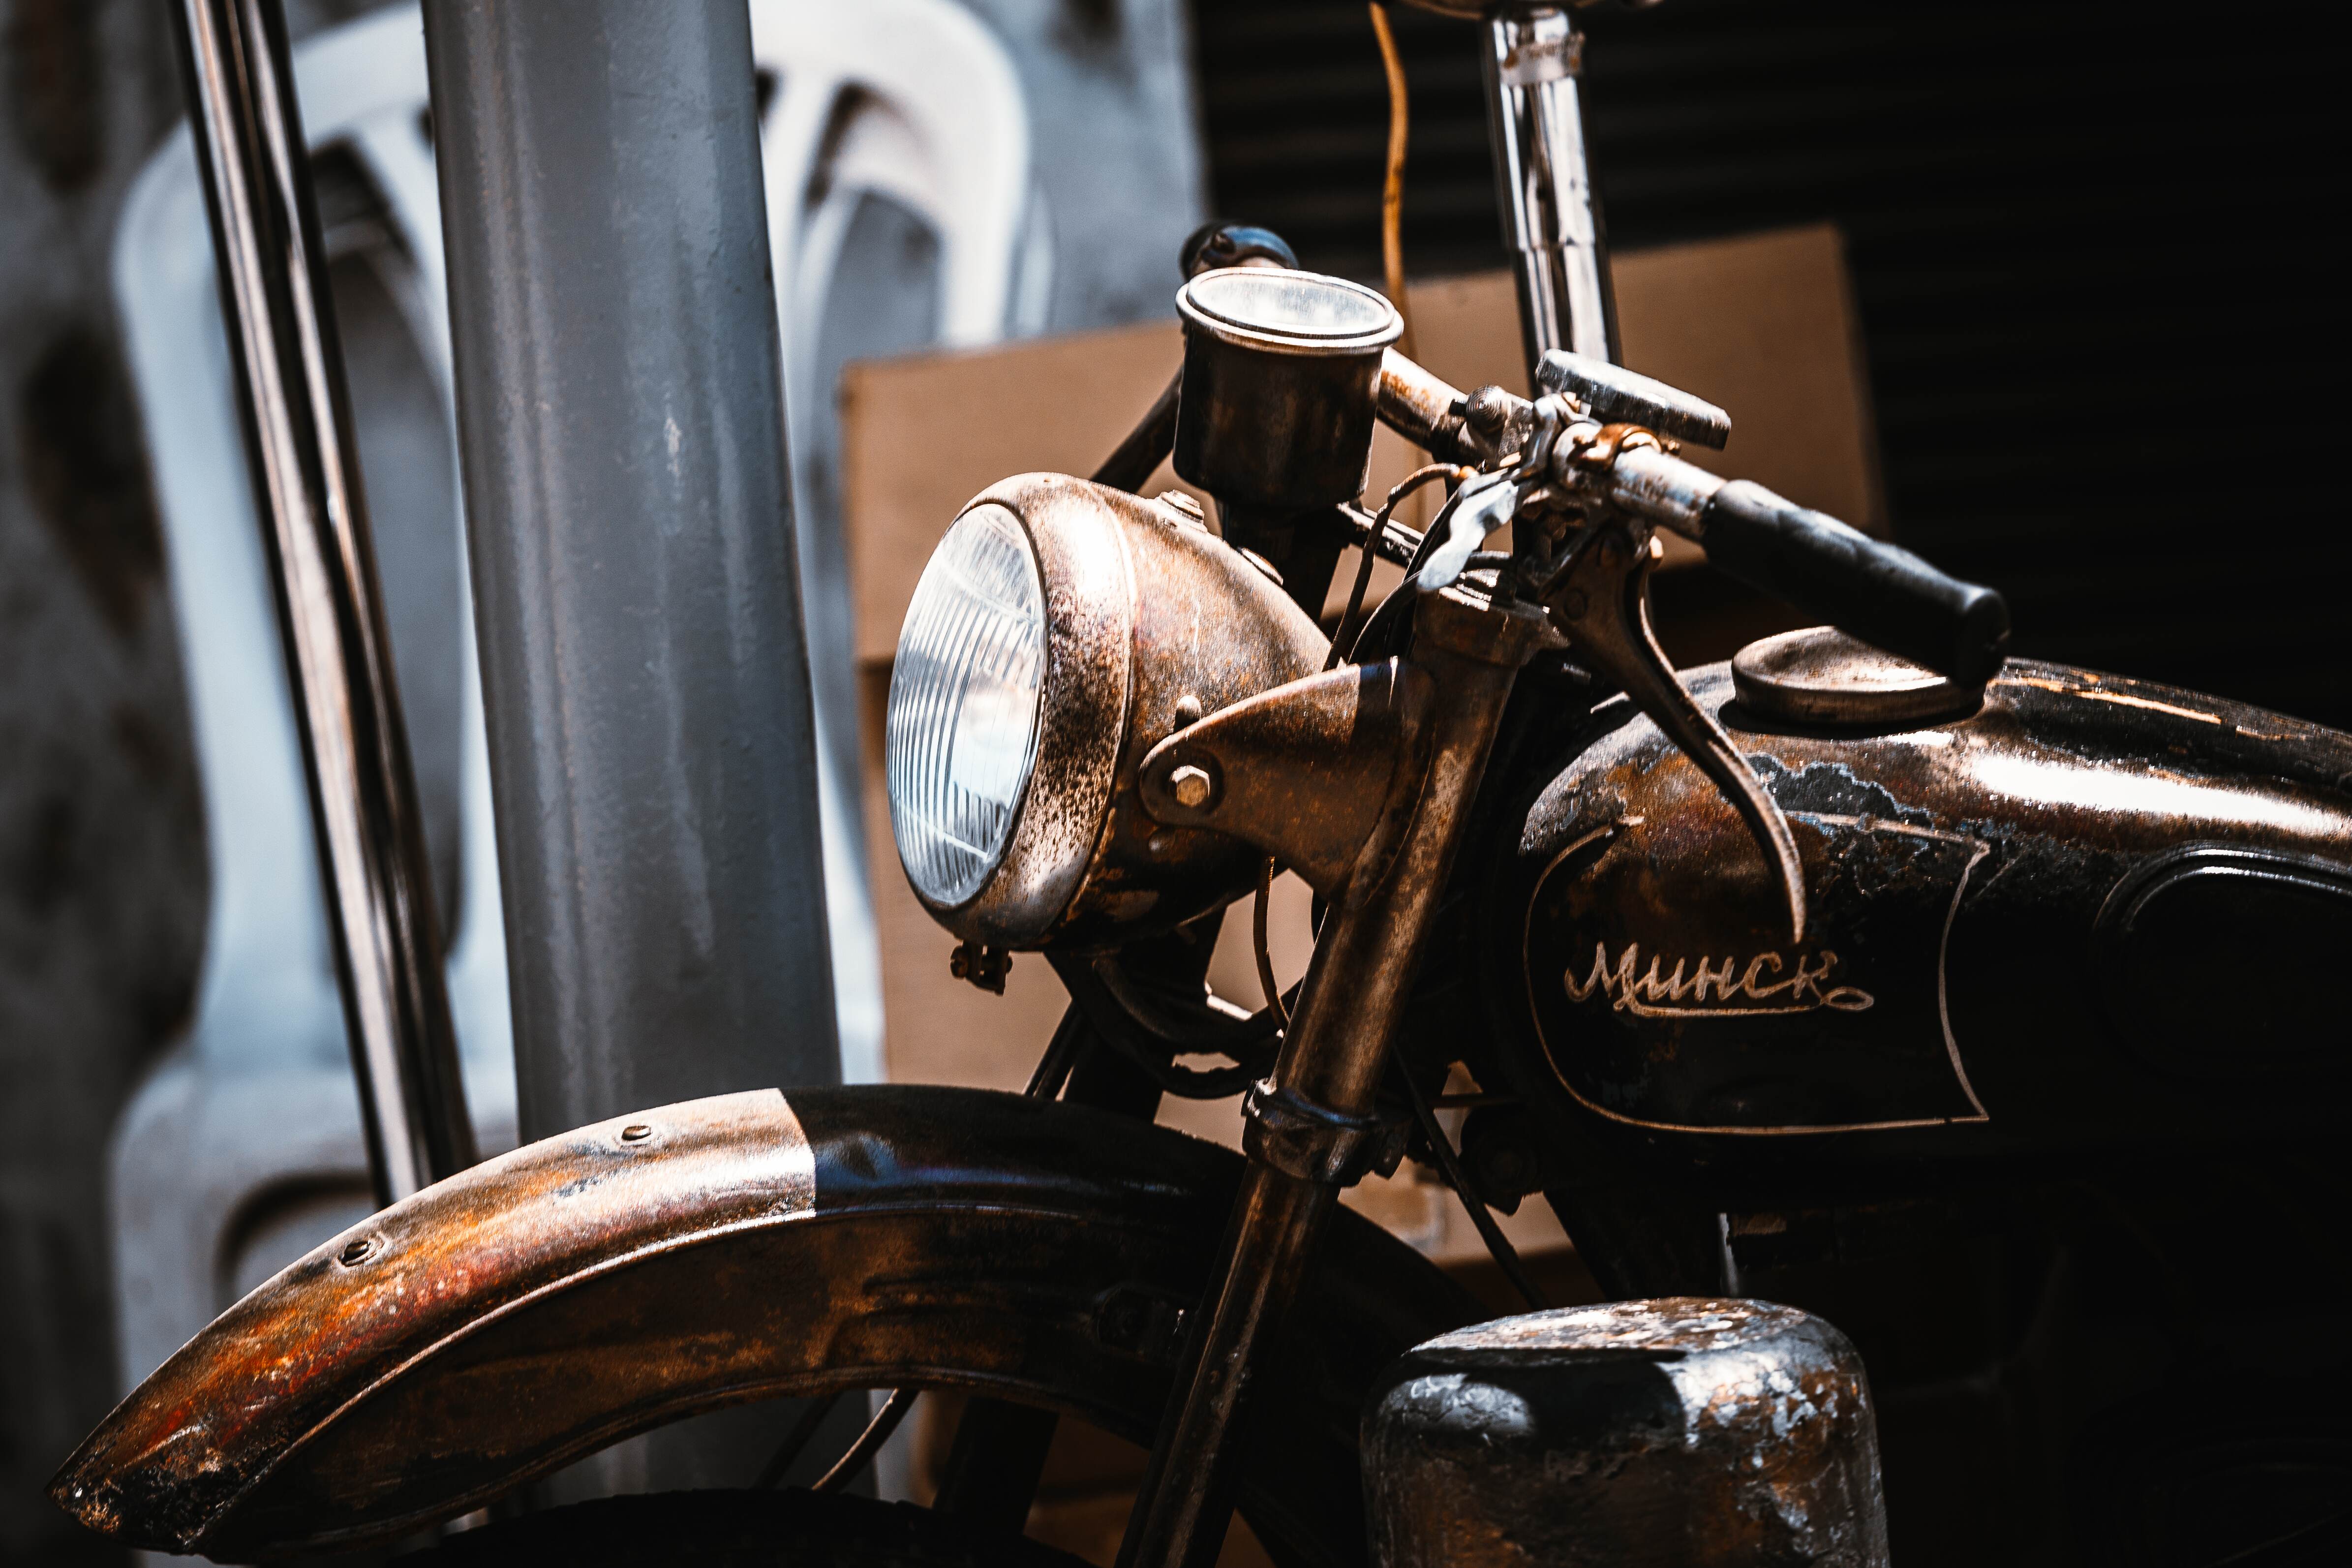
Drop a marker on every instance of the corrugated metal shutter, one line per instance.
(2089, 241)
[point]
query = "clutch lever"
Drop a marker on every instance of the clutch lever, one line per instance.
(1475, 512)
(1601, 600)
(1491, 500)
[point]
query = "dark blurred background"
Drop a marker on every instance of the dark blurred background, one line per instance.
(2101, 313)
(2089, 240)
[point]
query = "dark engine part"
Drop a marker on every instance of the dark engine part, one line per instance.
(1700, 1434)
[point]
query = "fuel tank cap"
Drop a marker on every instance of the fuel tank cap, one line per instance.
(1821, 675)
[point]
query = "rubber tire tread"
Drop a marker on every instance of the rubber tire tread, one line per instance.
(791, 1529)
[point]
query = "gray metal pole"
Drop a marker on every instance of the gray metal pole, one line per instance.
(306, 483)
(645, 670)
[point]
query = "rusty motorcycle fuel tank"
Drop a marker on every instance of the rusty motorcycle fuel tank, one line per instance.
(2090, 915)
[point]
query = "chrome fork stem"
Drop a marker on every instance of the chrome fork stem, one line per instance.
(1533, 64)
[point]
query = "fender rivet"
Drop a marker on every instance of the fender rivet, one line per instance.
(1191, 786)
(355, 1253)
(636, 1132)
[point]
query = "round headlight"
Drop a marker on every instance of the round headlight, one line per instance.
(963, 726)
(1061, 630)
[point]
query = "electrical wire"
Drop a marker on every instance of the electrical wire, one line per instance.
(1499, 1245)
(1117, 1022)
(1257, 932)
(869, 1442)
(804, 1430)
(1343, 635)
(1061, 1055)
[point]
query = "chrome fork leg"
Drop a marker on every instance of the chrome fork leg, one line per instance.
(1312, 1126)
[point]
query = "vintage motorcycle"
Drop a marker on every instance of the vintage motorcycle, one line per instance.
(1868, 944)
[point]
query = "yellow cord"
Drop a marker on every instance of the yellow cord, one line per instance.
(1393, 191)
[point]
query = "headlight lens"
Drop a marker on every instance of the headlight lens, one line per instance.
(961, 734)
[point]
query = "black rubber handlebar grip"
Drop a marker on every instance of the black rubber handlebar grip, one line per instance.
(1881, 593)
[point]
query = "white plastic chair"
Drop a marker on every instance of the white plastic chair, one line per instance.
(915, 101)
(246, 1146)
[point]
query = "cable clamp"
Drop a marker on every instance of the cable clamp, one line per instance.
(1315, 1143)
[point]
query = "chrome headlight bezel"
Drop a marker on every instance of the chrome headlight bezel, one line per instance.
(1150, 622)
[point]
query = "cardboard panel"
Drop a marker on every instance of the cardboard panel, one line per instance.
(1762, 324)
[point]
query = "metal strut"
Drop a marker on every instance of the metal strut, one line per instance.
(295, 415)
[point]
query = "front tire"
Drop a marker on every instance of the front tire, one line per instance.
(793, 1529)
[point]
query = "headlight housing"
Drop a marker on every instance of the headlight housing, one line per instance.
(1060, 631)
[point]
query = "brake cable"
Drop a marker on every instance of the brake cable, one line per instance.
(1341, 638)
(1045, 1083)
(1449, 1164)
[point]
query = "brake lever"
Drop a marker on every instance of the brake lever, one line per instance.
(1601, 600)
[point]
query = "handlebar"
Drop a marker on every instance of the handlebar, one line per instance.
(1878, 591)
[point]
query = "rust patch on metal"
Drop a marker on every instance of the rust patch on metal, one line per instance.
(1704, 1432)
(1152, 622)
(540, 1307)
(215, 1420)
(1958, 871)
(1303, 771)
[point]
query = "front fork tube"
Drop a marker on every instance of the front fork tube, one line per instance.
(1312, 1127)
(1551, 215)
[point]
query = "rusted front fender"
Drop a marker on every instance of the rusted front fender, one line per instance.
(546, 1303)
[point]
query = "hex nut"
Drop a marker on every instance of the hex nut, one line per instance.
(1191, 786)
(1188, 510)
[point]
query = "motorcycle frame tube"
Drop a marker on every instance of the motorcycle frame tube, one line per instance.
(1334, 1056)
(642, 1269)
(295, 412)
(1532, 67)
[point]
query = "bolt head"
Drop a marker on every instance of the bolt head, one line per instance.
(1191, 786)
(1486, 409)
